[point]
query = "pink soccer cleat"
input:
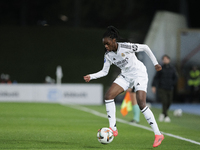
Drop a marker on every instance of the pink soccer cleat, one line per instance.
(158, 140)
(115, 133)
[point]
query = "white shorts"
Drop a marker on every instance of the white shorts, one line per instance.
(139, 83)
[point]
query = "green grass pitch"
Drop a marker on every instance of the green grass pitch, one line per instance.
(55, 126)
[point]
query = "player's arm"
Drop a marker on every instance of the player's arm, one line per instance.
(101, 73)
(147, 50)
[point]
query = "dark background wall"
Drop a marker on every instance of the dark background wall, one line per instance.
(131, 14)
(29, 54)
(36, 36)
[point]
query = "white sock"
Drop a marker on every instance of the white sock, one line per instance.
(151, 120)
(111, 112)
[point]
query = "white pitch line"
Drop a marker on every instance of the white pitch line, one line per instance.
(94, 112)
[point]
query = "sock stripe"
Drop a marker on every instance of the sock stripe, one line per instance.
(107, 102)
(145, 109)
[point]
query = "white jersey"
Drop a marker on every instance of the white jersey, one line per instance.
(126, 60)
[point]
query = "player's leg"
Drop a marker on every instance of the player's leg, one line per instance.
(170, 94)
(160, 97)
(168, 103)
(164, 101)
(141, 98)
(112, 92)
(141, 87)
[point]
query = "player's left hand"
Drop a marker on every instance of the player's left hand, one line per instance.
(158, 67)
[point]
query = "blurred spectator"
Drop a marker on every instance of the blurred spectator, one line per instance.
(5, 78)
(136, 109)
(130, 104)
(2, 78)
(165, 80)
(194, 83)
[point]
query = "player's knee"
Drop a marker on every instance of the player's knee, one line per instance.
(109, 96)
(141, 99)
(141, 104)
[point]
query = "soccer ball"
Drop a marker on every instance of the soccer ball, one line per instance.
(178, 112)
(105, 135)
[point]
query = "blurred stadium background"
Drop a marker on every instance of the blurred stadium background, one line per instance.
(43, 42)
(37, 36)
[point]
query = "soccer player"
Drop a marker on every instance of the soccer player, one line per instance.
(133, 73)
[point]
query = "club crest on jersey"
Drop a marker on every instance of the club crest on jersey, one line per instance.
(104, 60)
(114, 59)
(123, 54)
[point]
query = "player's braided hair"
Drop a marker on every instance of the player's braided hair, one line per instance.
(113, 33)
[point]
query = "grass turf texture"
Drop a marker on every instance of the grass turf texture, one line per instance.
(54, 126)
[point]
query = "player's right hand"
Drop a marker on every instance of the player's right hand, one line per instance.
(87, 78)
(158, 67)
